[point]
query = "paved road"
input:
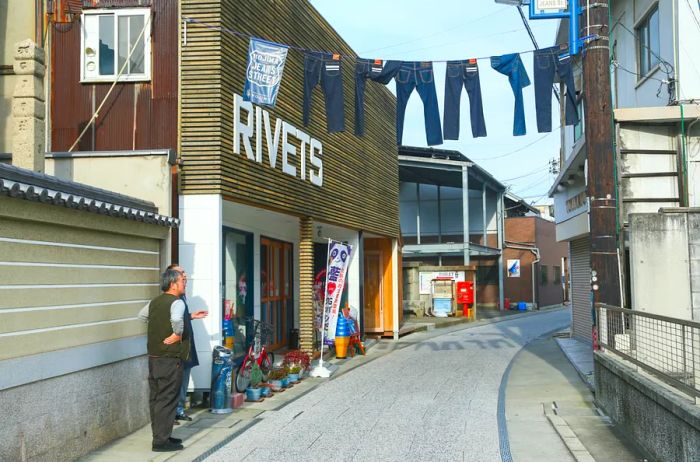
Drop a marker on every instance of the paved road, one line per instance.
(435, 399)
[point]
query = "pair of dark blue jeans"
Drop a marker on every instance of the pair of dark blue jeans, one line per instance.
(418, 75)
(325, 68)
(548, 62)
(463, 73)
(373, 69)
(512, 66)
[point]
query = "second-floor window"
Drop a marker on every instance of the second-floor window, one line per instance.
(116, 40)
(648, 42)
(578, 128)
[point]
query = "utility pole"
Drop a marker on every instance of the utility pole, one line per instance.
(605, 281)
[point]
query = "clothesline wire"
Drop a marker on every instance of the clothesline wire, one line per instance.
(190, 20)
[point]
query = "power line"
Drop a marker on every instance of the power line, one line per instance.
(505, 32)
(517, 150)
(436, 33)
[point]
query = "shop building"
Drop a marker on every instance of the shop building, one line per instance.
(256, 219)
(451, 216)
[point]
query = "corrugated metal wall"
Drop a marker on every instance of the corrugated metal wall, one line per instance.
(359, 173)
(581, 320)
(137, 115)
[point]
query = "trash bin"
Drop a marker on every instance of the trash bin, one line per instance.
(221, 379)
(522, 306)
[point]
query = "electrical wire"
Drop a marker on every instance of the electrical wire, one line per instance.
(515, 151)
(436, 33)
(505, 32)
(525, 175)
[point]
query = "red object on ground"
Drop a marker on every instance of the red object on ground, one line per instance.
(506, 304)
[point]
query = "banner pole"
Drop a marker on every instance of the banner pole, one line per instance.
(320, 370)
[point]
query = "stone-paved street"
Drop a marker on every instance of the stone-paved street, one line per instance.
(436, 399)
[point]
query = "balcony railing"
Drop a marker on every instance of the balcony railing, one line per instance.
(667, 348)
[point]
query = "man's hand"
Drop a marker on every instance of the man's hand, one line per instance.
(174, 338)
(199, 314)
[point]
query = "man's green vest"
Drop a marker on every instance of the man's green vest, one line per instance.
(159, 328)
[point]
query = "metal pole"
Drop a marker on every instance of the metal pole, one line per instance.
(465, 212)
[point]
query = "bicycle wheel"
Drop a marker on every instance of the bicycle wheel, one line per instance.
(266, 365)
(243, 375)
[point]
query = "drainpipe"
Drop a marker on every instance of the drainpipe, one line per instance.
(536, 252)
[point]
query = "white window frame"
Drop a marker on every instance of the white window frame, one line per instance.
(146, 38)
(642, 27)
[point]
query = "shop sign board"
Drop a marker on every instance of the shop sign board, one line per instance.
(513, 268)
(552, 4)
(251, 125)
(425, 278)
(338, 261)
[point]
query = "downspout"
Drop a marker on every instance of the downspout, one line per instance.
(536, 252)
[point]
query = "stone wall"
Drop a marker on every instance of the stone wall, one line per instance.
(665, 424)
(65, 417)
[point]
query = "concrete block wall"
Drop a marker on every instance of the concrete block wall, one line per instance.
(63, 418)
(662, 422)
(694, 245)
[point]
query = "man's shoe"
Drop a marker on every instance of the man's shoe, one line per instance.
(175, 440)
(183, 416)
(168, 446)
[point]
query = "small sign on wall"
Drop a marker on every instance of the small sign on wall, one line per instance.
(426, 277)
(513, 268)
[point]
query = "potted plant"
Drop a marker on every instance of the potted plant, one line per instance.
(274, 378)
(293, 373)
(254, 391)
(297, 358)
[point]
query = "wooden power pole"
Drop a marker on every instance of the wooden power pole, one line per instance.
(605, 278)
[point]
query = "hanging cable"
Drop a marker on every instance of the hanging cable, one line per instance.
(109, 92)
(519, 149)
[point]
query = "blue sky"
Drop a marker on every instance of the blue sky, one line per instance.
(414, 30)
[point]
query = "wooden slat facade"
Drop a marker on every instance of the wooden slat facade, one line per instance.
(361, 173)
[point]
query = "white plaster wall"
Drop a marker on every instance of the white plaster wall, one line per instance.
(687, 43)
(200, 255)
(632, 90)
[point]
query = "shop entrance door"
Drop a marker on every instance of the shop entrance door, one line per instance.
(276, 283)
(374, 302)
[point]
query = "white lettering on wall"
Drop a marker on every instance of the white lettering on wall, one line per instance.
(243, 130)
(288, 149)
(249, 121)
(314, 177)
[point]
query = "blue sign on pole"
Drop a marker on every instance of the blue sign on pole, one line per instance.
(553, 9)
(264, 71)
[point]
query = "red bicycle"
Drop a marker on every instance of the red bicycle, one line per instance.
(260, 334)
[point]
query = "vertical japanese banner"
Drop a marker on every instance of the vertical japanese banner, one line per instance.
(264, 71)
(338, 260)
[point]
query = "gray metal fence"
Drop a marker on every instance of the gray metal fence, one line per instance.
(667, 348)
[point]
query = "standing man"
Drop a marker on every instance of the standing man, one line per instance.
(168, 347)
(192, 361)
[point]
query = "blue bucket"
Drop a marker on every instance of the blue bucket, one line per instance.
(522, 306)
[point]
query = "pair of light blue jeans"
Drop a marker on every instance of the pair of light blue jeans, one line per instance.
(512, 66)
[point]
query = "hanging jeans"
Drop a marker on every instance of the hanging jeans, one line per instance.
(512, 66)
(373, 69)
(322, 68)
(462, 73)
(548, 62)
(418, 75)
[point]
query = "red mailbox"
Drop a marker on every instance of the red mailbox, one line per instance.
(465, 292)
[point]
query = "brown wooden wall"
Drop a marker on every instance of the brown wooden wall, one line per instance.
(360, 173)
(141, 115)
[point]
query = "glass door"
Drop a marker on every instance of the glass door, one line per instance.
(237, 302)
(276, 297)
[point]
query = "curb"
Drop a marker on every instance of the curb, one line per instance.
(584, 378)
(568, 437)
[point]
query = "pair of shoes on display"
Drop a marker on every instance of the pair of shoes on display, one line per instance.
(173, 444)
(184, 417)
